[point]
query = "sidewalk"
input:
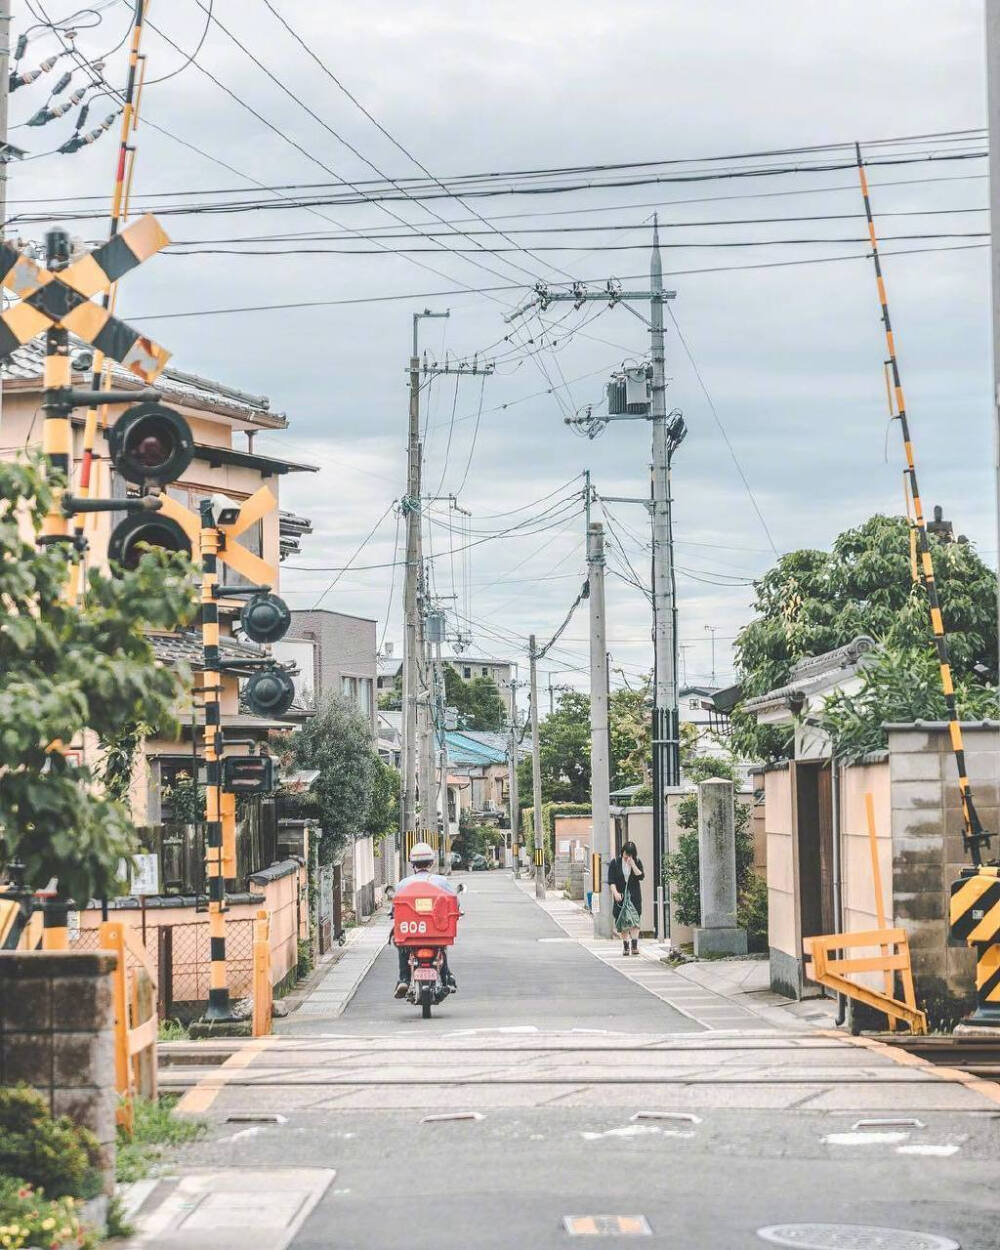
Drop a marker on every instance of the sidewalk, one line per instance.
(719, 994)
(346, 969)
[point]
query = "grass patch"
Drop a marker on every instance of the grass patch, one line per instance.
(172, 1031)
(155, 1130)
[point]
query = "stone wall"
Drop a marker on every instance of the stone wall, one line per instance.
(928, 855)
(56, 1034)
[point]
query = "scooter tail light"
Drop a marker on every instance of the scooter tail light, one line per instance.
(425, 953)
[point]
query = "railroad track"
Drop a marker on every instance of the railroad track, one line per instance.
(979, 1056)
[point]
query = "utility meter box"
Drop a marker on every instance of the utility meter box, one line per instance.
(435, 627)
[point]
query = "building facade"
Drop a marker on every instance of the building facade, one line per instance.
(335, 654)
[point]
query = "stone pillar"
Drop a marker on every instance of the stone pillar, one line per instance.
(56, 1035)
(718, 934)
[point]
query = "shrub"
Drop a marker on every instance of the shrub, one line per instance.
(29, 1218)
(305, 962)
(55, 1155)
(154, 1129)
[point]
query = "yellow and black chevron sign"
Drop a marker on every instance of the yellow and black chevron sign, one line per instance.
(63, 298)
(539, 857)
(988, 975)
(975, 906)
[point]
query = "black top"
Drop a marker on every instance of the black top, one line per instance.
(616, 877)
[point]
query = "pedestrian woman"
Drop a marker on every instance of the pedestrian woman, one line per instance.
(624, 876)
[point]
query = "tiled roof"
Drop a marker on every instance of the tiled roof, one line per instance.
(815, 674)
(25, 363)
(186, 649)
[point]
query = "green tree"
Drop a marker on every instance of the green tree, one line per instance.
(383, 799)
(337, 741)
(629, 727)
(814, 601)
(564, 753)
(897, 686)
(66, 669)
(477, 701)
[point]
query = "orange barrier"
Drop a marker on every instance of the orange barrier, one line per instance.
(830, 970)
(263, 991)
(135, 1037)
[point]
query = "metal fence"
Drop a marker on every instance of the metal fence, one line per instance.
(181, 953)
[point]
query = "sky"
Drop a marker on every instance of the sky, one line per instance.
(780, 382)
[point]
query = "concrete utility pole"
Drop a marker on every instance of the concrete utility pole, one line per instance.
(711, 629)
(600, 765)
(441, 721)
(993, 121)
(4, 98)
(414, 651)
(427, 790)
(512, 795)
(536, 771)
(668, 431)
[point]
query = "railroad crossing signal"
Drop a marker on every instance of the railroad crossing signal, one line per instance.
(62, 298)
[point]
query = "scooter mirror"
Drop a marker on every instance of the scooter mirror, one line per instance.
(461, 887)
(389, 891)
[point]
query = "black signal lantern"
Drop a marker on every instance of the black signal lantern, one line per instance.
(269, 692)
(140, 530)
(151, 445)
(265, 618)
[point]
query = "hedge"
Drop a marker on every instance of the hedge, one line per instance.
(549, 812)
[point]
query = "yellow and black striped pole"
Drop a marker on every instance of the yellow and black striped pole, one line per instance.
(218, 986)
(57, 435)
(119, 208)
(974, 836)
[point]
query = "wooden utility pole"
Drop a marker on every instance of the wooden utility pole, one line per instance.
(600, 766)
(993, 122)
(536, 773)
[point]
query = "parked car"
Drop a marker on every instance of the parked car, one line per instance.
(479, 863)
(456, 859)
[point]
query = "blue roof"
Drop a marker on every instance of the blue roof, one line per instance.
(468, 749)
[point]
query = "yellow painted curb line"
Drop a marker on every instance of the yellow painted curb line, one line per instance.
(988, 1089)
(198, 1100)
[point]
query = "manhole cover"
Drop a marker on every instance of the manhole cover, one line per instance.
(852, 1237)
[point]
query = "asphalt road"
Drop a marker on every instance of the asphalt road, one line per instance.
(558, 1055)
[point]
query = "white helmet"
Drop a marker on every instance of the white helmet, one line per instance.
(422, 853)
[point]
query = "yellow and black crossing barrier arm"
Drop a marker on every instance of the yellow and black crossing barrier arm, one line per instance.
(974, 836)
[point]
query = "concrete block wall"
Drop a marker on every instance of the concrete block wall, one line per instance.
(56, 1035)
(928, 854)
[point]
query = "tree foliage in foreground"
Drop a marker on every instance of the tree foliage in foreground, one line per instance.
(66, 669)
(814, 601)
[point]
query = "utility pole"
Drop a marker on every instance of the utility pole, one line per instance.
(711, 629)
(536, 774)
(993, 122)
(414, 651)
(427, 790)
(600, 765)
(668, 431)
(440, 717)
(512, 781)
(5, 156)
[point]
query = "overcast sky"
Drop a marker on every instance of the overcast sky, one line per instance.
(791, 355)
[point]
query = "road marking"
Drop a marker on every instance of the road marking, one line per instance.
(864, 1139)
(198, 1100)
(607, 1226)
(938, 1152)
(889, 1122)
(637, 1130)
(443, 1116)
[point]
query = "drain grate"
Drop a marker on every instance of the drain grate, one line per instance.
(852, 1237)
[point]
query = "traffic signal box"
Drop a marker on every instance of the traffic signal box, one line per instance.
(248, 774)
(975, 919)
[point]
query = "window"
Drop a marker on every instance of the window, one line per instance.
(486, 671)
(466, 671)
(349, 688)
(694, 704)
(365, 695)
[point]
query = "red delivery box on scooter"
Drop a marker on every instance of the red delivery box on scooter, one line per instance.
(424, 913)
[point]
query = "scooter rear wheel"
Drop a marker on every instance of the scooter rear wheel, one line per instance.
(425, 1001)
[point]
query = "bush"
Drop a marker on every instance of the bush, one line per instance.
(55, 1155)
(29, 1218)
(305, 963)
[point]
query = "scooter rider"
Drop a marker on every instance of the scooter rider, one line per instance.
(422, 861)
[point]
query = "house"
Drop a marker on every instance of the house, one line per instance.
(820, 874)
(478, 774)
(389, 669)
(468, 668)
(334, 653)
(224, 422)
(218, 415)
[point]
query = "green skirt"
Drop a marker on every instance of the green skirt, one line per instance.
(627, 917)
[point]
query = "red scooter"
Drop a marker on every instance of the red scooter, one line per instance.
(425, 923)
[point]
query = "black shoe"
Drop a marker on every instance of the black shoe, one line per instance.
(401, 989)
(635, 946)
(452, 984)
(626, 950)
